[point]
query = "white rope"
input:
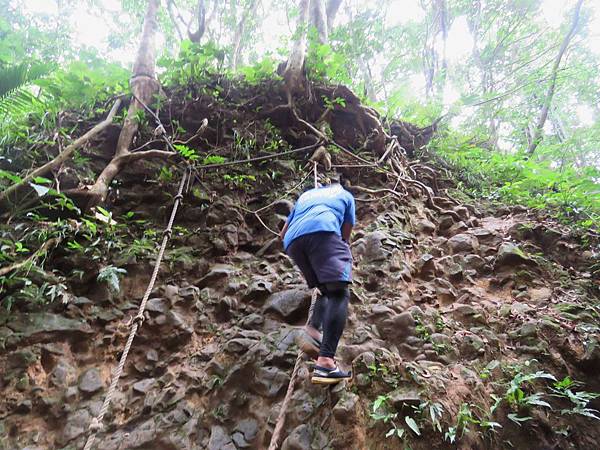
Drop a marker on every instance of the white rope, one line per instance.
(276, 436)
(96, 424)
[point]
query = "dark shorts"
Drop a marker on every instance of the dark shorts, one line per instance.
(322, 257)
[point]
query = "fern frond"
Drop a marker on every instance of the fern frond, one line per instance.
(15, 97)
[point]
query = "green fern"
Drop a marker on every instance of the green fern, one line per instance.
(15, 97)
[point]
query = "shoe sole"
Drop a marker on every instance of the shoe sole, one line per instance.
(326, 380)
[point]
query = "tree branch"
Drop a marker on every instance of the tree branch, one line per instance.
(43, 249)
(63, 156)
(197, 35)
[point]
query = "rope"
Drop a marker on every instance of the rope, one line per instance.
(136, 322)
(276, 437)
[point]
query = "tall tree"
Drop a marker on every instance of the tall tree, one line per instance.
(536, 135)
(143, 87)
(318, 19)
(238, 39)
(294, 69)
(195, 36)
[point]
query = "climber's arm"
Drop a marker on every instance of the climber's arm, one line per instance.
(346, 231)
(349, 219)
(283, 231)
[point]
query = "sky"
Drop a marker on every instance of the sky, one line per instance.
(93, 31)
(89, 30)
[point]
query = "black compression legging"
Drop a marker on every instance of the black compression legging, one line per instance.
(330, 313)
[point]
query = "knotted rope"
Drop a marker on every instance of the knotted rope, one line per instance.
(290, 390)
(276, 437)
(136, 322)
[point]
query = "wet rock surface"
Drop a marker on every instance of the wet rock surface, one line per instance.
(447, 307)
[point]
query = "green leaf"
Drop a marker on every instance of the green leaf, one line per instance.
(518, 420)
(379, 401)
(11, 176)
(103, 211)
(42, 180)
(412, 425)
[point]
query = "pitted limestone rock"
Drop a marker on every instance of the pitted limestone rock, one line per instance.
(90, 381)
(463, 242)
(290, 304)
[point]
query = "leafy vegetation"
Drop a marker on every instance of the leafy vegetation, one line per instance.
(570, 193)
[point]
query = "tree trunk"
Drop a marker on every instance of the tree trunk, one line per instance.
(143, 86)
(332, 9)
(174, 19)
(443, 27)
(368, 79)
(318, 19)
(294, 69)
(201, 15)
(539, 127)
(238, 41)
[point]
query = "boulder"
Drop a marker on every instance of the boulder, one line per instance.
(90, 381)
(445, 221)
(62, 374)
(220, 439)
(454, 272)
(458, 227)
(474, 262)
(463, 242)
(445, 292)
(404, 397)
(239, 345)
(510, 254)
(75, 425)
(299, 439)
(258, 291)
(270, 381)
(345, 409)
(225, 308)
(462, 212)
(157, 305)
(471, 346)
(144, 386)
(467, 314)
(425, 226)
(372, 247)
(397, 328)
(216, 274)
(290, 304)
(245, 432)
(425, 267)
(44, 326)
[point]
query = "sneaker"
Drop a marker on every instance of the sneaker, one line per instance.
(308, 344)
(323, 375)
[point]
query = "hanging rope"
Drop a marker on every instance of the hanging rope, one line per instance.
(276, 437)
(136, 322)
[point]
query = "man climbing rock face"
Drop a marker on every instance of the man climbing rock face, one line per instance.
(316, 236)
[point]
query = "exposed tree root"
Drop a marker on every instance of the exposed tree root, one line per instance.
(144, 87)
(14, 190)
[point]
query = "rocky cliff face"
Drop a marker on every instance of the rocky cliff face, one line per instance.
(451, 314)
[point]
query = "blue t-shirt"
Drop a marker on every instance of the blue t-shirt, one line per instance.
(320, 209)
